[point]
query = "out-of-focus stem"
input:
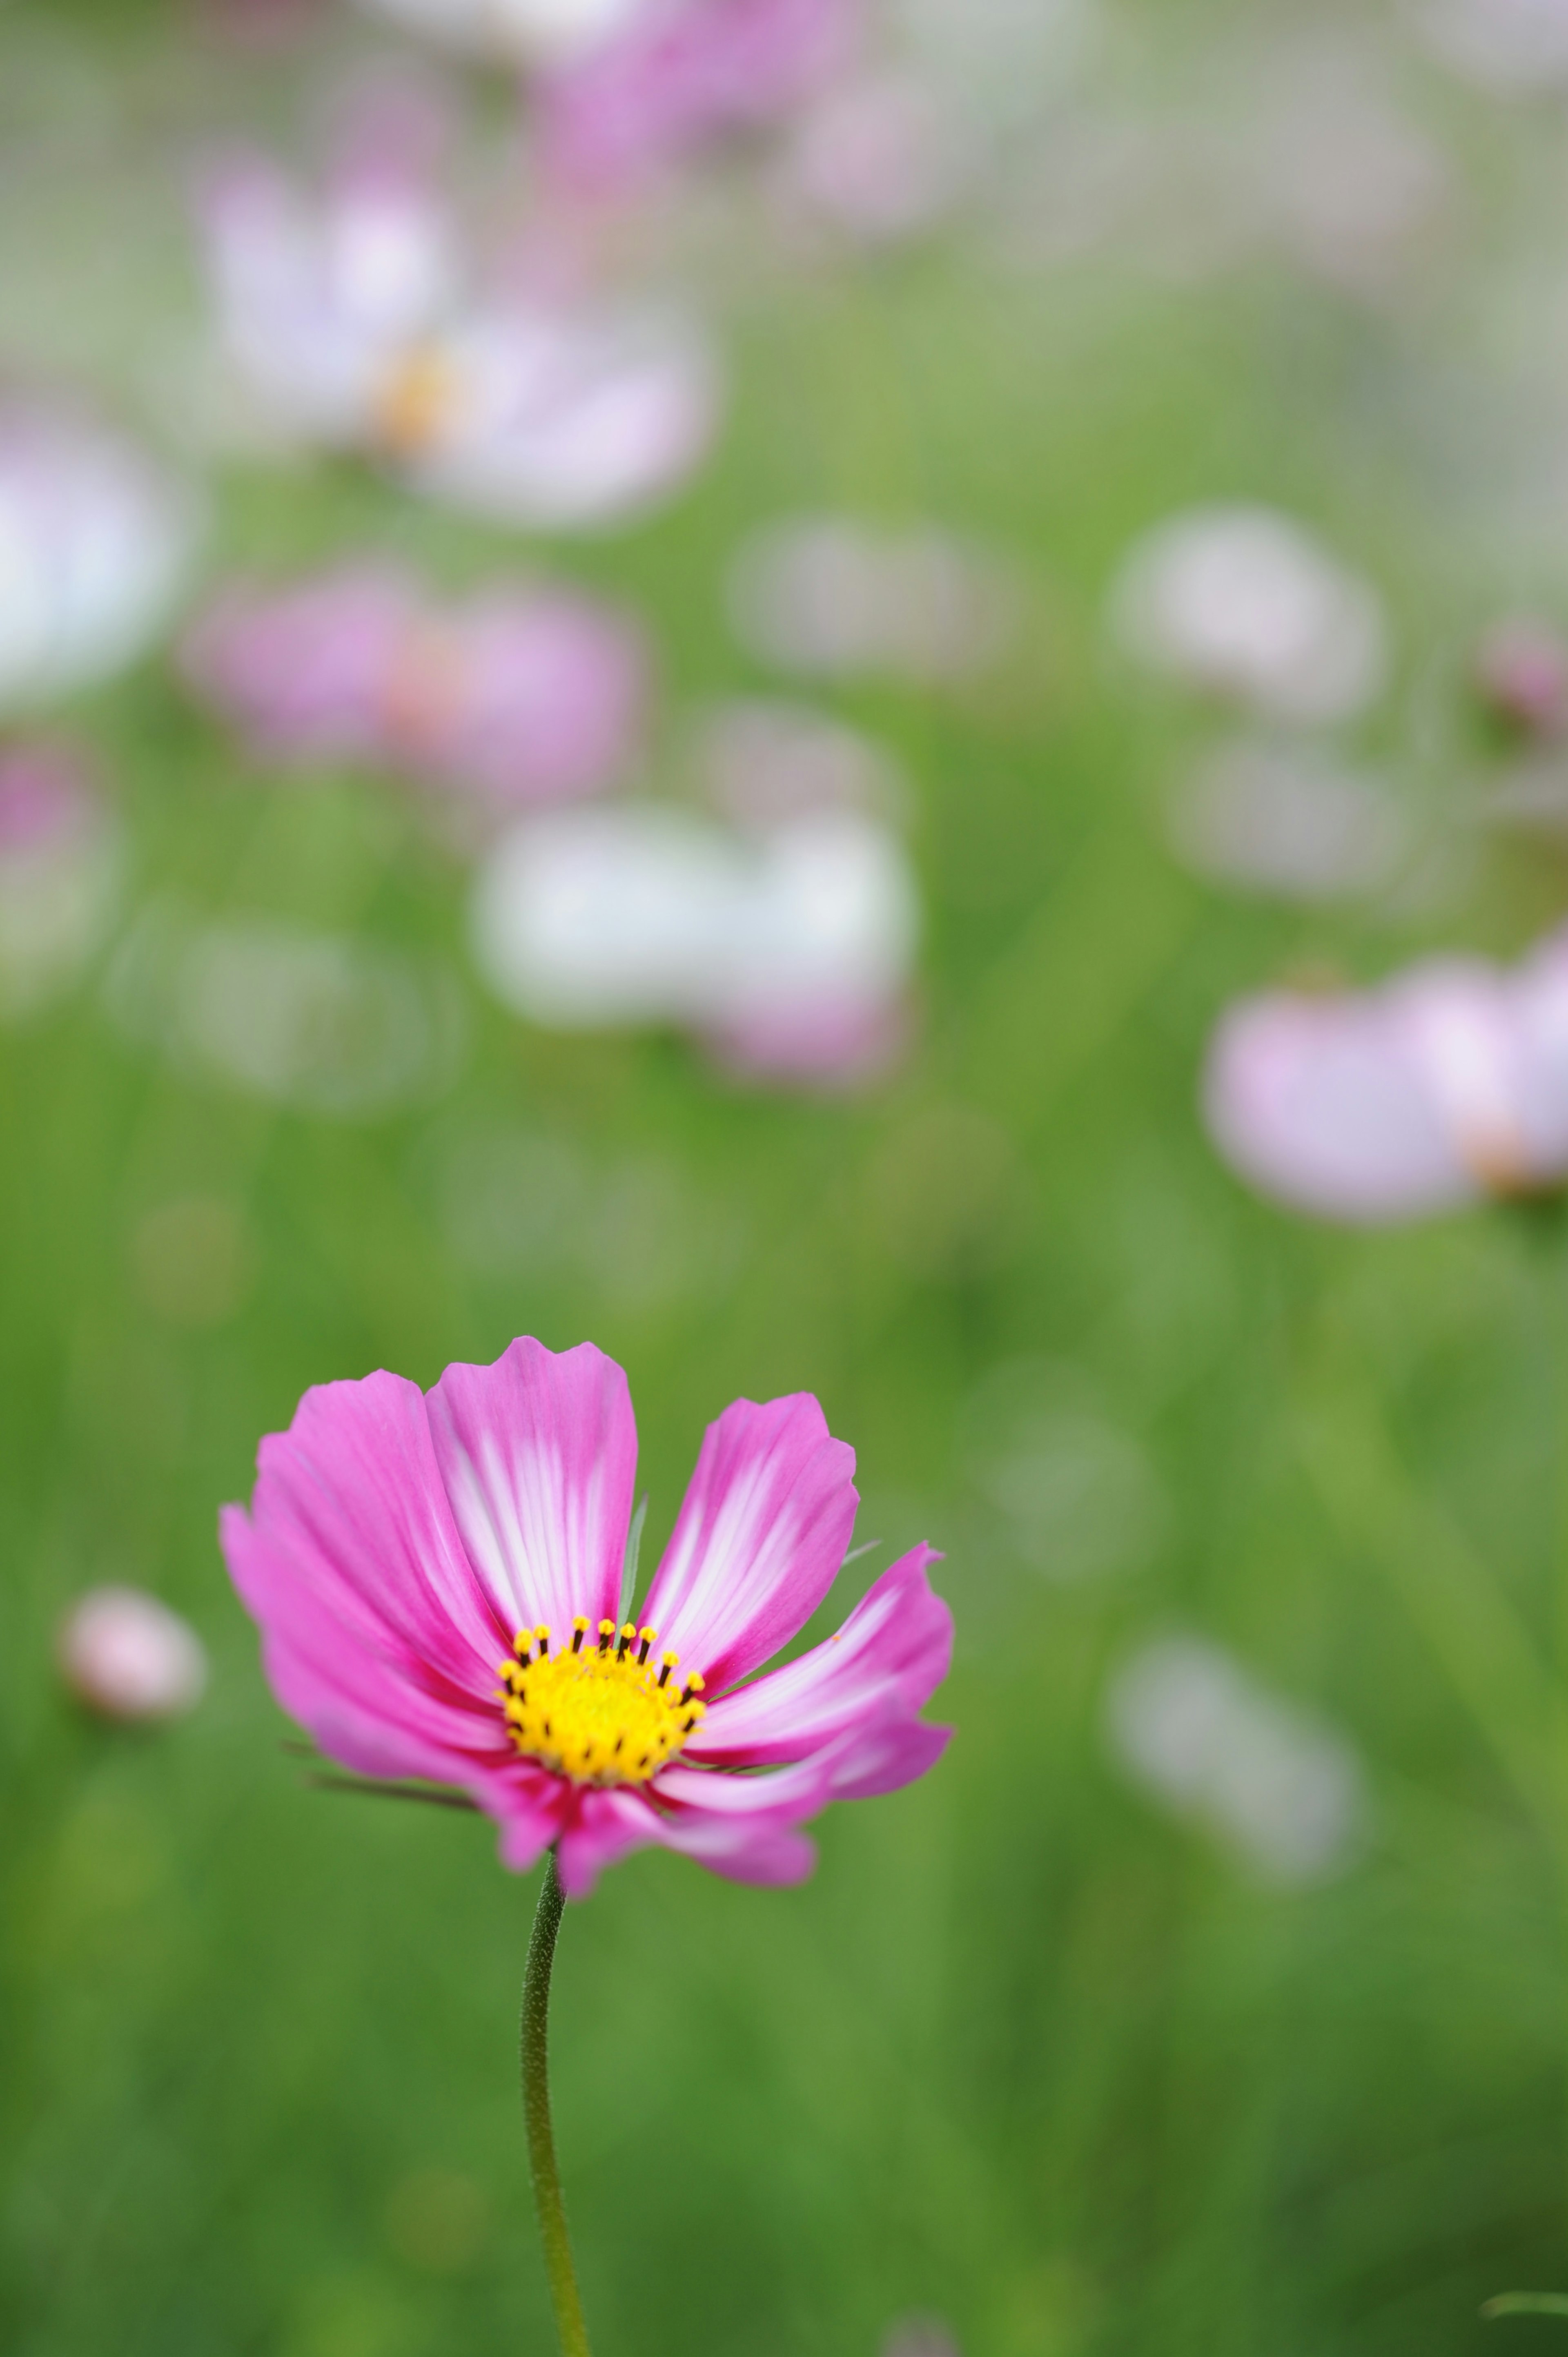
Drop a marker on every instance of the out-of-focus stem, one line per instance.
(535, 2044)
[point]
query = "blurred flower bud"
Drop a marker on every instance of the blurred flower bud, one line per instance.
(1521, 675)
(127, 1655)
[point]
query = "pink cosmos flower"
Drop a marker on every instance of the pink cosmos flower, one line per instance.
(684, 71)
(1445, 1085)
(523, 696)
(437, 1575)
(352, 320)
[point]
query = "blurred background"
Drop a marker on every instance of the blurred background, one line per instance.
(696, 672)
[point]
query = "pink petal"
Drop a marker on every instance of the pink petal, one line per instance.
(350, 1558)
(605, 1827)
(769, 1855)
(899, 1640)
(1324, 1103)
(888, 1750)
(538, 1454)
(887, 1758)
(532, 1819)
(760, 1539)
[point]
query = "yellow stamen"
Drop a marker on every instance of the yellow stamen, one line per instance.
(604, 1716)
(415, 401)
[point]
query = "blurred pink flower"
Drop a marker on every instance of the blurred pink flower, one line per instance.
(879, 155)
(351, 321)
(437, 1575)
(1445, 1085)
(125, 1654)
(522, 696)
(682, 72)
(1521, 675)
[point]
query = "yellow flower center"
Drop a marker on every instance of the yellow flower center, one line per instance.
(606, 1713)
(415, 401)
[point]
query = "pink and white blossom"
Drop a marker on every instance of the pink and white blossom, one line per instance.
(1444, 1086)
(789, 955)
(127, 1655)
(349, 320)
(437, 1578)
(94, 543)
(520, 695)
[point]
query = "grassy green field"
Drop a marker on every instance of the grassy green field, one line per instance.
(1025, 2055)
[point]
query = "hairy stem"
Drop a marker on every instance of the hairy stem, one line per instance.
(535, 2043)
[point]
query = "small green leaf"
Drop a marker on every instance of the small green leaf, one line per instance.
(633, 1549)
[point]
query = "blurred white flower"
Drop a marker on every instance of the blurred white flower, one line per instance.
(320, 1022)
(95, 541)
(1243, 603)
(1282, 1789)
(349, 320)
(1002, 59)
(765, 762)
(522, 32)
(61, 863)
(1334, 167)
(1279, 817)
(1508, 46)
(829, 597)
(1076, 1491)
(879, 156)
(127, 1655)
(789, 955)
(919, 2336)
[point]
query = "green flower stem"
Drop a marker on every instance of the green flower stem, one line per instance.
(535, 2041)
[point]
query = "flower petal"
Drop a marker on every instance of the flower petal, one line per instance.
(746, 1852)
(538, 1454)
(899, 1638)
(378, 1632)
(532, 1818)
(605, 1827)
(760, 1539)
